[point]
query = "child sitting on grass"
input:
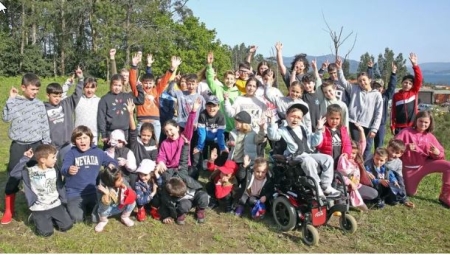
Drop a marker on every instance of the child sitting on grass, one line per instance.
(115, 197)
(44, 190)
(257, 187)
(146, 187)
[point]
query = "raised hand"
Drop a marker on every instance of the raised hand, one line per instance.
(370, 63)
(247, 161)
(137, 58)
(112, 54)
(321, 123)
(325, 65)
(79, 72)
(339, 63)
(197, 104)
(226, 95)
(253, 49)
(210, 58)
(130, 105)
(103, 189)
(13, 92)
(150, 60)
(413, 58)
(175, 62)
(278, 46)
(314, 64)
(394, 67)
(28, 153)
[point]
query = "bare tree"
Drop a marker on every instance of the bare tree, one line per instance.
(338, 39)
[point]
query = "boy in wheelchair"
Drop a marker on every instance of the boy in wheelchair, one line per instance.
(299, 143)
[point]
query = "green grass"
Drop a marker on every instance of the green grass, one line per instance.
(394, 229)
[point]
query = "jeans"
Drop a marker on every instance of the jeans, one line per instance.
(78, 207)
(110, 210)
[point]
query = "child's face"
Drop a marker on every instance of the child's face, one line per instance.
(116, 87)
(119, 182)
(89, 91)
(243, 74)
(83, 142)
(295, 92)
(309, 87)
(50, 161)
(393, 154)
(333, 74)
(354, 153)
(172, 132)
(225, 177)
(192, 86)
(30, 91)
(230, 79)
(334, 119)
(407, 85)
(294, 118)
(329, 92)
(54, 99)
(212, 109)
(364, 82)
(379, 160)
(148, 85)
(183, 84)
(250, 88)
(126, 76)
(238, 125)
(262, 68)
(423, 124)
(299, 66)
(144, 177)
(146, 136)
(260, 172)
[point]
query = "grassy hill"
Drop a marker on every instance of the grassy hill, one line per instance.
(391, 230)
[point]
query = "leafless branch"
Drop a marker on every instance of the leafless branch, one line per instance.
(181, 5)
(351, 49)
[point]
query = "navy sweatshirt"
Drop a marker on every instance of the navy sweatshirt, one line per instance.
(89, 163)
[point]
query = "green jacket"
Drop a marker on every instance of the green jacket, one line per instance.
(218, 90)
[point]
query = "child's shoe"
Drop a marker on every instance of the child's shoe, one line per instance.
(141, 214)
(380, 204)
(154, 213)
(409, 204)
(126, 219)
(200, 213)
(239, 210)
(331, 192)
(181, 219)
(101, 224)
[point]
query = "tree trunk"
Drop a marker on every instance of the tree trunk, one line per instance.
(93, 31)
(22, 41)
(33, 26)
(62, 39)
(127, 29)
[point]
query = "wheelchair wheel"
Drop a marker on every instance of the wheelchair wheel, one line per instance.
(348, 223)
(284, 213)
(310, 235)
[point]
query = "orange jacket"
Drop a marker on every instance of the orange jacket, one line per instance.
(150, 108)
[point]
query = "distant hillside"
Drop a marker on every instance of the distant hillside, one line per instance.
(427, 68)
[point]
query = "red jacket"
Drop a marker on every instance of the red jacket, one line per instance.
(326, 146)
(221, 190)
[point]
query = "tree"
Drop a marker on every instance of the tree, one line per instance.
(337, 39)
(364, 61)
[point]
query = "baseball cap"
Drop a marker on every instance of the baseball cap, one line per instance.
(301, 107)
(229, 167)
(243, 117)
(213, 100)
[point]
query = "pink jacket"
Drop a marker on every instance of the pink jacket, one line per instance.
(423, 142)
(170, 150)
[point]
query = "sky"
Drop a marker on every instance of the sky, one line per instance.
(404, 26)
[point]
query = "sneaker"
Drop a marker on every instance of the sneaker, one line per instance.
(239, 210)
(331, 192)
(409, 204)
(200, 214)
(362, 208)
(380, 204)
(100, 226)
(127, 221)
(181, 219)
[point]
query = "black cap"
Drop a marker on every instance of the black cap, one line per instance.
(243, 117)
(213, 100)
(299, 106)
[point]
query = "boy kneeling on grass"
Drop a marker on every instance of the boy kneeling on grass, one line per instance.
(44, 190)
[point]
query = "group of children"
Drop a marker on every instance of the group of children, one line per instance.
(153, 165)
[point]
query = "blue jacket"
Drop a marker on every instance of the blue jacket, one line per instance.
(89, 162)
(20, 172)
(211, 129)
(382, 174)
(143, 191)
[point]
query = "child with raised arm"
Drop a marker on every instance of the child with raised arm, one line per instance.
(44, 190)
(112, 108)
(115, 197)
(146, 187)
(404, 102)
(229, 90)
(29, 128)
(299, 143)
(87, 108)
(80, 169)
(149, 111)
(365, 106)
(126, 88)
(181, 192)
(60, 112)
(341, 92)
(424, 155)
(299, 66)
